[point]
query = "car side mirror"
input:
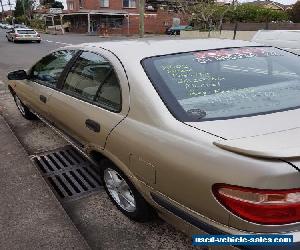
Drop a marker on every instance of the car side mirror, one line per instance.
(17, 75)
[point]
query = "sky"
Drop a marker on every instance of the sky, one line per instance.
(6, 7)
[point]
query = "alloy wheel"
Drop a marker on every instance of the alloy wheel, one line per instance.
(119, 190)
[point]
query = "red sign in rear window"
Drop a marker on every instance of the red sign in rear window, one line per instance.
(233, 54)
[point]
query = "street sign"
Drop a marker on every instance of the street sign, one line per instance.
(55, 11)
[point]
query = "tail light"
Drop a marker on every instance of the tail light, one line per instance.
(262, 206)
(17, 35)
(38, 35)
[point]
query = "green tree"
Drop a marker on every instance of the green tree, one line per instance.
(244, 13)
(24, 7)
(295, 13)
(252, 13)
(203, 13)
(19, 11)
(268, 15)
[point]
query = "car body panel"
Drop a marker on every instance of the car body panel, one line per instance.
(273, 145)
(251, 126)
(73, 120)
(30, 92)
(285, 39)
(178, 174)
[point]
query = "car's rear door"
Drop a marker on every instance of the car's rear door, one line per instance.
(94, 98)
(43, 79)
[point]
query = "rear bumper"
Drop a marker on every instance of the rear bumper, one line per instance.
(28, 39)
(212, 227)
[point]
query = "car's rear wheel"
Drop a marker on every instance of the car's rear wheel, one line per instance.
(123, 194)
(25, 112)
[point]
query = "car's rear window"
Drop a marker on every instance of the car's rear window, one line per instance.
(26, 31)
(226, 83)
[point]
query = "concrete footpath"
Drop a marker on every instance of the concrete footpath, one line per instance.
(30, 215)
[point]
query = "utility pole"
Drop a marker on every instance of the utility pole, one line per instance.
(234, 2)
(23, 6)
(142, 18)
(2, 9)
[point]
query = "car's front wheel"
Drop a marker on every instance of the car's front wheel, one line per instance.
(123, 194)
(24, 110)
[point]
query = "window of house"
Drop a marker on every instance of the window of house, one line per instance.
(48, 70)
(80, 3)
(104, 3)
(93, 79)
(71, 6)
(129, 3)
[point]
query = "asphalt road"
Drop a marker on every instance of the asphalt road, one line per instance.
(100, 223)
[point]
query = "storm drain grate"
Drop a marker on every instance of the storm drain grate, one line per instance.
(69, 174)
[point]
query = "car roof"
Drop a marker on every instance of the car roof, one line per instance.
(143, 48)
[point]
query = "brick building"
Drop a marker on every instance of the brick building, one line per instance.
(117, 17)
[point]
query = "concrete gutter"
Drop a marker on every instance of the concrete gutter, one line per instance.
(30, 215)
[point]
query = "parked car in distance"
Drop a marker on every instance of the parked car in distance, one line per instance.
(23, 34)
(285, 39)
(205, 131)
(6, 26)
(175, 30)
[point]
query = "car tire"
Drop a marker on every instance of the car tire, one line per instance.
(38, 41)
(116, 185)
(24, 110)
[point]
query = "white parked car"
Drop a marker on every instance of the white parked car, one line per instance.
(285, 39)
(21, 34)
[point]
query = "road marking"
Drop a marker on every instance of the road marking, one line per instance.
(58, 42)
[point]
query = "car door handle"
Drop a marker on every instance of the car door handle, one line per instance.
(92, 125)
(43, 98)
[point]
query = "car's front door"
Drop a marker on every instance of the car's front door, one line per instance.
(91, 102)
(43, 78)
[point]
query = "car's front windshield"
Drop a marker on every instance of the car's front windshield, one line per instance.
(226, 83)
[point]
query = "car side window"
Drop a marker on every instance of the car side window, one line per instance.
(48, 70)
(92, 78)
